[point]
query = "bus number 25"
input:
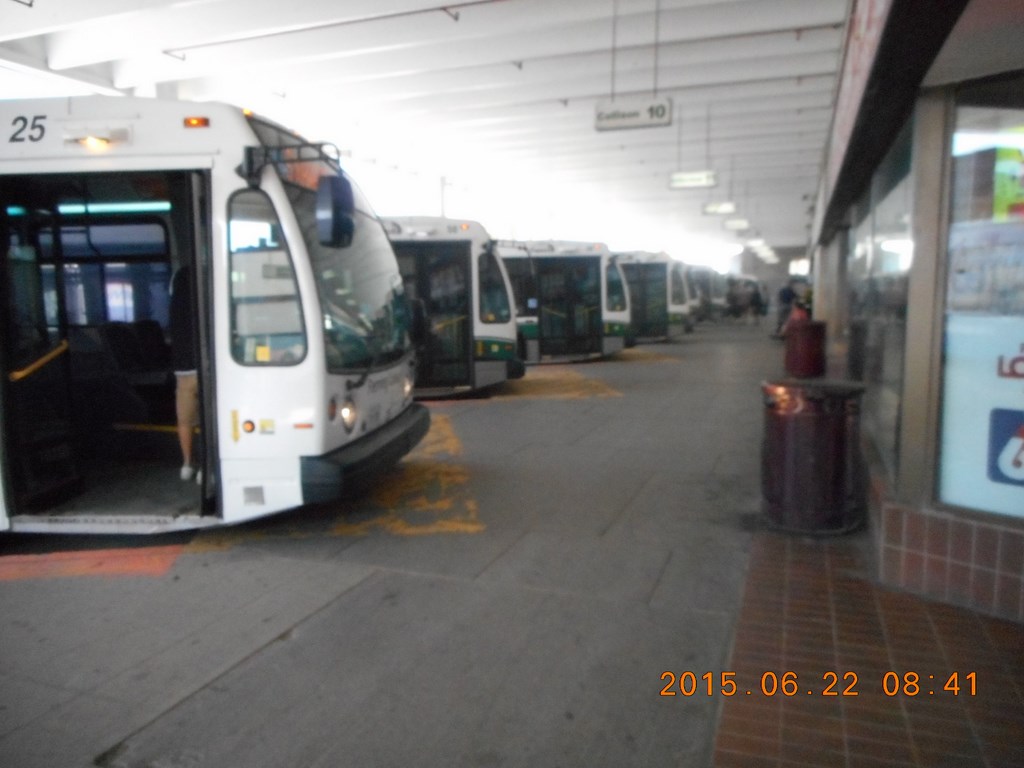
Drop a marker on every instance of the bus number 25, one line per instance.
(32, 130)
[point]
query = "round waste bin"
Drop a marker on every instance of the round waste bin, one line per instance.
(805, 349)
(812, 470)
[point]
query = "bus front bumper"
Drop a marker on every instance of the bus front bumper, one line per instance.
(324, 477)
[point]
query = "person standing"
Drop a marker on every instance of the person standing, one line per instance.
(787, 295)
(183, 361)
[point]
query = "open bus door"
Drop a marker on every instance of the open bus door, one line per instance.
(649, 299)
(87, 394)
(570, 305)
(40, 461)
(440, 276)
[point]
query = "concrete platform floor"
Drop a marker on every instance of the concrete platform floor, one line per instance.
(512, 594)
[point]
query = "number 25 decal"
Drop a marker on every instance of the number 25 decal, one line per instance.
(26, 129)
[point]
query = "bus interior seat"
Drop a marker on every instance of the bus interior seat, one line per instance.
(135, 355)
(152, 344)
(101, 392)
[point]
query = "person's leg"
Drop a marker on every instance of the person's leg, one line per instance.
(187, 406)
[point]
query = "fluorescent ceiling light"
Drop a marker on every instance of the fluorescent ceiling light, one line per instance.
(736, 225)
(724, 208)
(800, 267)
(691, 179)
(139, 207)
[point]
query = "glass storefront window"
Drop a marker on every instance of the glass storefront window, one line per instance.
(981, 463)
(881, 253)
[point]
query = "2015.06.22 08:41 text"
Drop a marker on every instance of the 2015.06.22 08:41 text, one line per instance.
(908, 683)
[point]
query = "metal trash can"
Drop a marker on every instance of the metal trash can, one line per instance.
(812, 470)
(805, 349)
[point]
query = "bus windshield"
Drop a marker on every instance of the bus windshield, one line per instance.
(361, 295)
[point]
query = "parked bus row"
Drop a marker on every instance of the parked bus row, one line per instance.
(312, 325)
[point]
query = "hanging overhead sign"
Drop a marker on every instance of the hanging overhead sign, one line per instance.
(632, 113)
(691, 179)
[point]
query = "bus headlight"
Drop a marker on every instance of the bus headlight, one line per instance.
(407, 387)
(348, 415)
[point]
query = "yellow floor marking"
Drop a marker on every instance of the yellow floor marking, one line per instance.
(554, 382)
(219, 539)
(424, 494)
(635, 354)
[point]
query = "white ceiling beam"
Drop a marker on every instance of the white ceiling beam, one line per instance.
(737, 151)
(591, 88)
(173, 25)
(638, 74)
(407, 69)
(504, 31)
(733, 99)
(27, 59)
(568, 136)
(18, 20)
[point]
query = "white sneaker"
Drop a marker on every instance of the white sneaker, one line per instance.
(199, 477)
(187, 472)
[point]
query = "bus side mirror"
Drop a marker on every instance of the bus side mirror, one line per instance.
(335, 211)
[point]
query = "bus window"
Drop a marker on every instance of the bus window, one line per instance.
(362, 299)
(266, 314)
(115, 271)
(494, 306)
(616, 289)
(28, 335)
(524, 286)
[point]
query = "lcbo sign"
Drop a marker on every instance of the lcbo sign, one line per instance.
(982, 457)
(616, 115)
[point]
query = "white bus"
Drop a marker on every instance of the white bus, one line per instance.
(712, 287)
(301, 328)
(451, 269)
(571, 299)
(662, 299)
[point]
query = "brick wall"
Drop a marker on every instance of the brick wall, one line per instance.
(976, 561)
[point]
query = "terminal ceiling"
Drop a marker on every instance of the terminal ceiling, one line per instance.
(490, 93)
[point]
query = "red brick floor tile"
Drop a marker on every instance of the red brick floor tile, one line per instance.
(812, 705)
(812, 721)
(1004, 755)
(898, 751)
(870, 761)
(924, 728)
(828, 740)
(764, 729)
(724, 759)
(808, 609)
(878, 733)
(948, 745)
(728, 741)
(932, 757)
(811, 753)
(874, 714)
